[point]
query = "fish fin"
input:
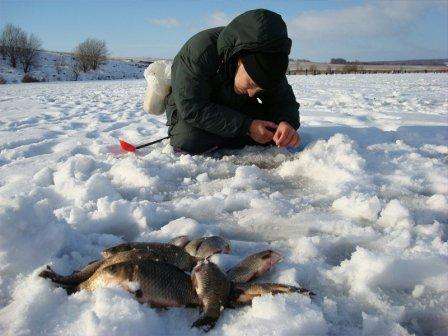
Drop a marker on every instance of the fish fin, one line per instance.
(198, 247)
(205, 323)
(49, 273)
(71, 289)
(300, 290)
(138, 293)
(232, 304)
(90, 263)
(134, 276)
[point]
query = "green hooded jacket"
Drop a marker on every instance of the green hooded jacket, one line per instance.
(202, 76)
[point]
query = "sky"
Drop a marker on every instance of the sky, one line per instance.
(320, 30)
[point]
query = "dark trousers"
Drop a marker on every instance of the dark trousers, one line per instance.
(194, 140)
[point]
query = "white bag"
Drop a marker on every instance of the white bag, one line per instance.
(158, 79)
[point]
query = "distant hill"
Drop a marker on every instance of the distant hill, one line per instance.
(340, 65)
(58, 66)
(422, 62)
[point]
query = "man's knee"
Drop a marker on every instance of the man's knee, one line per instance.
(193, 141)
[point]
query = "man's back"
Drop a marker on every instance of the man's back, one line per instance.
(204, 100)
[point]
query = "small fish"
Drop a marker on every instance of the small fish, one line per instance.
(134, 246)
(243, 293)
(171, 253)
(152, 282)
(175, 256)
(253, 266)
(213, 288)
(206, 246)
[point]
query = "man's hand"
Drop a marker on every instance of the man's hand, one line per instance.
(286, 136)
(260, 130)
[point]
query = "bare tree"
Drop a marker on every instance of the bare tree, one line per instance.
(28, 52)
(76, 69)
(60, 64)
(312, 69)
(350, 68)
(2, 50)
(90, 54)
(12, 37)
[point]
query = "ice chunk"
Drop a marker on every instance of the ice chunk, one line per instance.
(395, 215)
(292, 314)
(179, 227)
(438, 202)
(334, 165)
(375, 325)
(358, 205)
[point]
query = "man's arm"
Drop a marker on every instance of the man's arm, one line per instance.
(192, 92)
(282, 103)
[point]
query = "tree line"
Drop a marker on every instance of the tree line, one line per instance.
(21, 49)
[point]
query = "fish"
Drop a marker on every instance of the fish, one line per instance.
(158, 284)
(199, 248)
(206, 246)
(167, 252)
(180, 241)
(174, 255)
(135, 246)
(213, 289)
(253, 266)
(156, 274)
(170, 254)
(243, 293)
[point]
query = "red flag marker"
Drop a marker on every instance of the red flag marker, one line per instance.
(127, 147)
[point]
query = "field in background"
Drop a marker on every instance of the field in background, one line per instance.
(359, 213)
(59, 66)
(317, 68)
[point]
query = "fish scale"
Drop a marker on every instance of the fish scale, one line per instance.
(160, 284)
(213, 288)
(167, 252)
(243, 294)
(180, 259)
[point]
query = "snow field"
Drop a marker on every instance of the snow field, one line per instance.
(59, 67)
(359, 214)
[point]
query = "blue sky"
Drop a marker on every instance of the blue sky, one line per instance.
(320, 30)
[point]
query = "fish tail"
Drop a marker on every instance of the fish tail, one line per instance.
(49, 273)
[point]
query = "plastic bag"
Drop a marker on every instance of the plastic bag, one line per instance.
(158, 79)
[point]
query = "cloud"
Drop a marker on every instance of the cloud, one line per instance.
(167, 22)
(368, 27)
(218, 18)
(367, 20)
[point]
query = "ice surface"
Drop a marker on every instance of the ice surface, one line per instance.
(359, 213)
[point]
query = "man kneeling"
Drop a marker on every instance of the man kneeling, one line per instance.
(229, 87)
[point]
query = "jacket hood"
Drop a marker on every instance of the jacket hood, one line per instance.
(258, 30)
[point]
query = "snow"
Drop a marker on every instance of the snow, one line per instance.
(359, 213)
(358, 205)
(54, 66)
